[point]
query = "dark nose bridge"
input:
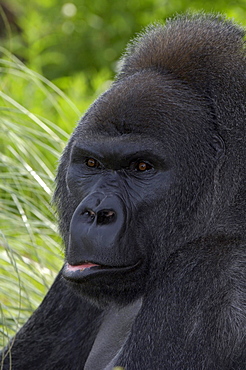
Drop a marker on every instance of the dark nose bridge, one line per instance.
(94, 200)
(109, 188)
(100, 208)
(107, 184)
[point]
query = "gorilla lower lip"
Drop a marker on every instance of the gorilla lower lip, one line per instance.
(79, 272)
(81, 267)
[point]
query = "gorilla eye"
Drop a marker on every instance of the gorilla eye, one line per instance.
(91, 162)
(143, 166)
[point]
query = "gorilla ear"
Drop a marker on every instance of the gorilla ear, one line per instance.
(218, 145)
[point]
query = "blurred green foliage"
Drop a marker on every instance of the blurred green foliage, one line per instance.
(61, 38)
(52, 50)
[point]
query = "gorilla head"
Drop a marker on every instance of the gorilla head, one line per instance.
(157, 161)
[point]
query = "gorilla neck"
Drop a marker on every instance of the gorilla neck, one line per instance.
(112, 335)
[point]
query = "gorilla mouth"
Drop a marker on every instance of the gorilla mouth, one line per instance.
(81, 267)
(79, 272)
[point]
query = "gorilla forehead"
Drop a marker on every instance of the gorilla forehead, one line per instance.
(146, 103)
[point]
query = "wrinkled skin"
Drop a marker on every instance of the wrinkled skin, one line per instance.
(151, 198)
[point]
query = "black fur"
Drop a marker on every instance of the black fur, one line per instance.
(169, 287)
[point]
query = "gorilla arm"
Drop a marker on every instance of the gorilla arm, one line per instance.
(59, 335)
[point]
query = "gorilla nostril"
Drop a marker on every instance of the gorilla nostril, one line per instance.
(105, 217)
(89, 214)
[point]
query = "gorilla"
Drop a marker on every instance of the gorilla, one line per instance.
(151, 197)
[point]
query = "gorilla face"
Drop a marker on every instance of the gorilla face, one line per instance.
(115, 181)
(126, 183)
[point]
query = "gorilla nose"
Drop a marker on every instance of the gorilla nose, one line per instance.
(102, 217)
(96, 227)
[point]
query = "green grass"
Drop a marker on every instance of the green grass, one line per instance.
(35, 121)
